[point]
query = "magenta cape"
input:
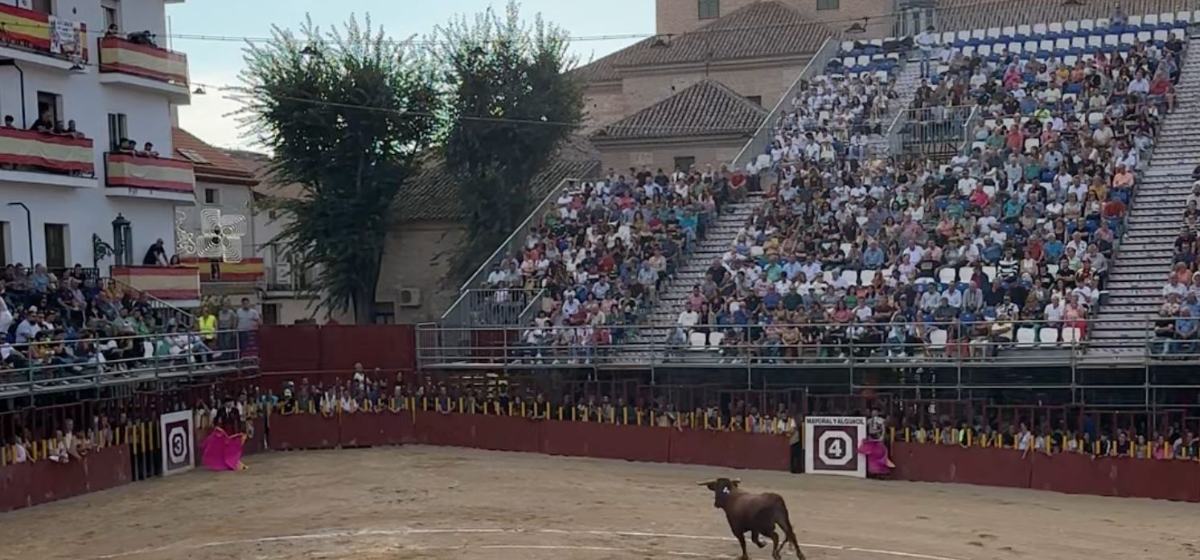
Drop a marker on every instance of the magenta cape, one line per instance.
(877, 457)
(223, 452)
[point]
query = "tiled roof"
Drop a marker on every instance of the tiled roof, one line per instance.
(706, 108)
(433, 194)
(210, 164)
(758, 30)
(260, 165)
(956, 15)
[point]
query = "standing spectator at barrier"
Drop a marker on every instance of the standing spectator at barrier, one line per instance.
(248, 319)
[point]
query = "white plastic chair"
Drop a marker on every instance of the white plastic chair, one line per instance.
(850, 277)
(1008, 31)
(1150, 19)
(979, 33)
(715, 339)
(1127, 38)
(1087, 25)
(1071, 26)
(1070, 335)
(937, 340)
(1025, 29)
(965, 273)
(697, 340)
(1112, 40)
(989, 272)
(1056, 27)
(947, 275)
(992, 33)
(1026, 337)
(1052, 269)
(1134, 21)
(865, 277)
(1048, 335)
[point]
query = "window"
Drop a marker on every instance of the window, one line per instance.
(684, 163)
(755, 99)
(709, 9)
(118, 130)
(51, 103)
(56, 246)
(270, 313)
(828, 4)
(43, 6)
(112, 14)
(193, 156)
(385, 313)
(212, 196)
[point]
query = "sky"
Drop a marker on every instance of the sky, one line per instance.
(216, 63)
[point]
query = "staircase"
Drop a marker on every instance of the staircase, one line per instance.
(906, 86)
(717, 240)
(1143, 258)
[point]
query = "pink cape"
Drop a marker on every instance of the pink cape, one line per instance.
(223, 452)
(877, 457)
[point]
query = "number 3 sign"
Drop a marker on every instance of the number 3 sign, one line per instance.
(831, 445)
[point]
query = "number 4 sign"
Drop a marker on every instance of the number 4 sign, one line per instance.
(831, 445)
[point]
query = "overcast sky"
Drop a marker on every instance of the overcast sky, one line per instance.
(216, 62)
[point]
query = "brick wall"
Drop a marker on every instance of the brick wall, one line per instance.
(681, 16)
(419, 256)
(658, 155)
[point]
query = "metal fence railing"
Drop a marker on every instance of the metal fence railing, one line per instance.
(60, 365)
(983, 342)
(517, 237)
(936, 129)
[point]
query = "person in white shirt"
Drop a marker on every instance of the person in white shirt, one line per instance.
(926, 42)
(688, 318)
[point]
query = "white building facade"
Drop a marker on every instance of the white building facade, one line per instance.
(57, 60)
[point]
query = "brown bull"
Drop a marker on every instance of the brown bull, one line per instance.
(756, 513)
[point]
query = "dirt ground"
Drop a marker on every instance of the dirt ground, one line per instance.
(440, 504)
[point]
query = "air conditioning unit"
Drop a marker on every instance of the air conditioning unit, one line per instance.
(408, 297)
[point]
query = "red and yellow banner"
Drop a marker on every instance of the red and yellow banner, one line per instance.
(163, 282)
(249, 269)
(55, 153)
(139, 172)
(34, 30)
(146, 61)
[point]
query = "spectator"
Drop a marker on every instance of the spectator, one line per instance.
(156, 255)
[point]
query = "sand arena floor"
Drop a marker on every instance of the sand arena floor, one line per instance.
(441, 503)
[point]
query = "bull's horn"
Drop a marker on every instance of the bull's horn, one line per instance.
(705, 482)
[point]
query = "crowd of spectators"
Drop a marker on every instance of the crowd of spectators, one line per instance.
(59, 328)
(833, 117)
(1176, 325)
(602, 254)
(1008, 243)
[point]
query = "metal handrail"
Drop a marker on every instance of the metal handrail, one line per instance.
(815, 65)
(506, 345)
(506, 246)
(187, 318)
(968, 137)
(91, 372)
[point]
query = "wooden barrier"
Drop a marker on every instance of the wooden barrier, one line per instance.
(730, 449)
(304, 431)
(29, 484)
(951, 463)
(606, 441)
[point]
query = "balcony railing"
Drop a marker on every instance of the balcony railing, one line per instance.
(249, 269)
(982, 343)
(26, 150)
(174, 285)
(42, 34)
(123, 56)
(152, 173)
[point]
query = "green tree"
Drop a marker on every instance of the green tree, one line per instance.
(512, 102)
(348, 115)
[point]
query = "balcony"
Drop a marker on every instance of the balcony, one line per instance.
(219, 278)
(149, 177)
(45, 159)
(137, 65)
(41, 39)
(176, 285)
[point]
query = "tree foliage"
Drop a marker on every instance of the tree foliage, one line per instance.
(347, 114)
(512, 102)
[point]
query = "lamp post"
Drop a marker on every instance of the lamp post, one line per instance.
(28, 227)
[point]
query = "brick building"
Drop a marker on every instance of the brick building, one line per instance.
(683, 16)
(755, 50)
(705, 123)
